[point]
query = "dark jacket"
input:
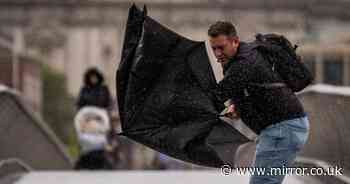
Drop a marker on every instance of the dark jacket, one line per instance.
(94, 95)
(258, 106)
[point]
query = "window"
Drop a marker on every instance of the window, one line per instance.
(333, 71)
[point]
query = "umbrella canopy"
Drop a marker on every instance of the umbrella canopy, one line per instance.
(164, 87)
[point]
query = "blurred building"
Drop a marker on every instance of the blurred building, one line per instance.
(20, 71)
(74, 35)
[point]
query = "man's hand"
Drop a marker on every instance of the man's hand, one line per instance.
(231, 112)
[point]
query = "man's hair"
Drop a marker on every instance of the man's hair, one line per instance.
(222, 28)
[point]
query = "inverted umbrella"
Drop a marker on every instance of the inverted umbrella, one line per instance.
(165, 99)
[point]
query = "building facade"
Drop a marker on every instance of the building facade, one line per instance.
(74, 35)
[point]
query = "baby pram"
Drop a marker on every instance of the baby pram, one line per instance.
(92, 125)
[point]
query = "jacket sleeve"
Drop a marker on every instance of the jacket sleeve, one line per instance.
(81, 101)
(234, 83)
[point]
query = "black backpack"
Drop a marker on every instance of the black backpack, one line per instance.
(281, 54)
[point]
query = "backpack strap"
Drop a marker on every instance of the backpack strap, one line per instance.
(272, 85)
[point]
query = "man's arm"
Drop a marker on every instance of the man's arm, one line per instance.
(232, 86)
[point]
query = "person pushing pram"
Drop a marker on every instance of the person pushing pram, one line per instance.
(93, 126)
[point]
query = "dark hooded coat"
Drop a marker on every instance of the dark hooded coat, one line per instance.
(94, 94)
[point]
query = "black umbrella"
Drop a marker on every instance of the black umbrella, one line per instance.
(164, 84)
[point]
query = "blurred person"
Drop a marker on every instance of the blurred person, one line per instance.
(270, 110)
(94, 145)
(94, 92)
(158, 162)
(114, 147)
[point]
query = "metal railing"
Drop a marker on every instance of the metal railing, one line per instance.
(15, 161)
(25, 139)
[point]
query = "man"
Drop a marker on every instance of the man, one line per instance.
(275, 114)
